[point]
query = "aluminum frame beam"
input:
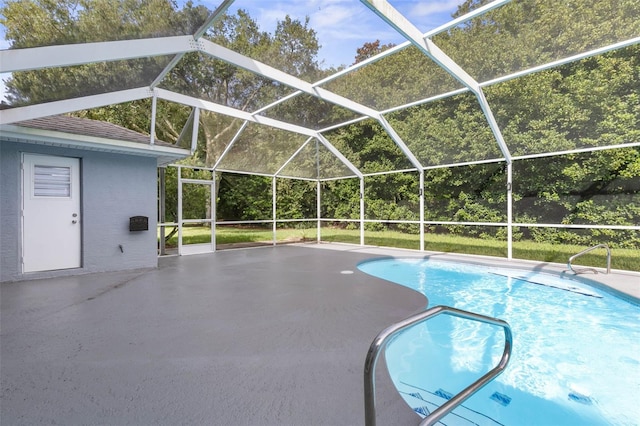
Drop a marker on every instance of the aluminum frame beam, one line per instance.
(196, 127)
(232, 112)
(152, 130)
(12, 60)
(70, 105)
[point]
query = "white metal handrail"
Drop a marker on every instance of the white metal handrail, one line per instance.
(384, 337)
(572, 258)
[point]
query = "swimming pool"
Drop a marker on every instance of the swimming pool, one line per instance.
(576, 347)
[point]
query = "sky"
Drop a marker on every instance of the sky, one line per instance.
(342, 26)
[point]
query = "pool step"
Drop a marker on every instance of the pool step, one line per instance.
(423, 402)
(549, 281)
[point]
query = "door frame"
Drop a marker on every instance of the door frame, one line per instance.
(26, 192)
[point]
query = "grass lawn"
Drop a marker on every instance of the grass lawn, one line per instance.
(625, 259)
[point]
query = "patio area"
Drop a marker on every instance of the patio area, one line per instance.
(268, 336)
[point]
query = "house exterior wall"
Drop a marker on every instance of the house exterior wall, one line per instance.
(114, 188)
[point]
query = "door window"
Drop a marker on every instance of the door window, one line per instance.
(51, 181)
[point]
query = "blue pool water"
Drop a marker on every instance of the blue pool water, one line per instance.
(576, 348)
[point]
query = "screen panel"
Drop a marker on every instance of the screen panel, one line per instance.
(244, 197)
(296, 199)
(590, 103)
(53, 84)
(261, 149)
(474, 193)
(526, 33)
(383, 201)
(592, 188)
(37, 24)
(368, 147)
(315, 161)
(310, 112)
(174, 123)
(340, 199)
(203, 77)
(449, 131)
(215, 132)
(403, 77)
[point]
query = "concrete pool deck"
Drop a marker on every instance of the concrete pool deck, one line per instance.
(264, 336)
(625, 284)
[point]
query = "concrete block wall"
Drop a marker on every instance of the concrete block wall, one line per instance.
(115, 187)
(10, 199)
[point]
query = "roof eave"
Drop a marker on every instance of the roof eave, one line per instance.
(164, 154)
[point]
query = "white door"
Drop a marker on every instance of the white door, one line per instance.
(51, 232)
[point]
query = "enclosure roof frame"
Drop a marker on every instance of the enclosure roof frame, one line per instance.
(15, 60)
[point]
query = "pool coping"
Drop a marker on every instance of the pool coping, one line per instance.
(620, 283)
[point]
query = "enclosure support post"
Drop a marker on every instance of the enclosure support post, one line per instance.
(196, 126)
(421, 210)
(273, 205)
(152, 130)
(318, 208)
(179, 211)
(509, 210)
(362, 211)
(213, 204)
(162, 207)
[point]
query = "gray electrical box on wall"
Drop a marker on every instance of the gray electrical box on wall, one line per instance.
(138, 223)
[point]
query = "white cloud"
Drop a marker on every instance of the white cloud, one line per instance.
(333, 15)
(424, 9)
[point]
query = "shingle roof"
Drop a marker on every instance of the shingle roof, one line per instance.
(87, 127)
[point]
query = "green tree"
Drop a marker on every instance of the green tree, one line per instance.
(244, 197)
